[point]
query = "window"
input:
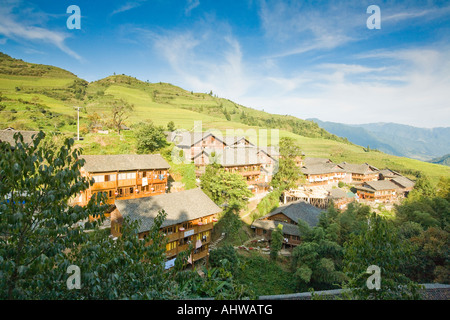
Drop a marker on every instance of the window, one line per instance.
(99, 178)
(122, 176)
(171, 245)
(110, 177)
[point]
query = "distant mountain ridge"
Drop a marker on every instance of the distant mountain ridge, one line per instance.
(444, 160)
(393, 138)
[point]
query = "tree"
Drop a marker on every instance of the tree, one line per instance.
(225, 188)
(37, 225)
(379, 245)
(171, 126)
(41, 236)
(276, 242)
(316, 261)
(120, 111)
(149, 138)
(288, 173)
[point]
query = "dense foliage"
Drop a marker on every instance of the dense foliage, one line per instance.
(42, 238)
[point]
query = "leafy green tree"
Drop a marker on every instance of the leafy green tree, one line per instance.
(422, 189)
(149, 138)
(276, 242)
(171, 126)
(316, 261)
(443, 188)
(380, 245)
(226, 252)
(225, 188)
(37, 225)
(288, 174)
(120, 111)
(41, 236)
(269, 203)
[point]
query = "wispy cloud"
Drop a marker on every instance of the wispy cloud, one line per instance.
(129, 5)
(191, 5)
(12, 28)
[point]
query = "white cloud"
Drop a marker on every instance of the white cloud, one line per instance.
(20, 31)
(191, 5)
(129, 5)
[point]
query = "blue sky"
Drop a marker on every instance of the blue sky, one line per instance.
(310, 59)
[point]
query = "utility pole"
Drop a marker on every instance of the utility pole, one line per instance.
(78, 123)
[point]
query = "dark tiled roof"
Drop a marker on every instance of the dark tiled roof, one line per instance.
(124, 162)
(180, 207)
(188, 139)
(380, 185)
(298, 210)
(364, 168)
(288, 228)
(7, 135)
(403, 182)
(316, 161)
(272, 151)
(232, 140)
(389, 173)
(321, 168)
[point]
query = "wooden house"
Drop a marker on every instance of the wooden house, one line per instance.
(404, 184)
(379, 191)
(190, 218)
(269, 157)
(387, 174)
(245, 162)
(319, 173)
(124, 176)
(7, 135)
(288, 216)
(359, 173)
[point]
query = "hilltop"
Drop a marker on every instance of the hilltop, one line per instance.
(40, 97)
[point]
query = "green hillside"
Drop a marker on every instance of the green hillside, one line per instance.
(43, 97)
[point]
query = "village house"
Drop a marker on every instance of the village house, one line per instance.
(194, 143)
(7, 135)
(359, 173)
(124, 176)
(268, 157)
(245, 162)
(322, 171)
(190, 218)
(387, 174)
(378, 191)
(404, 184)
(288, 216)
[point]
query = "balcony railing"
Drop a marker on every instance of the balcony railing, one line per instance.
(197, 229)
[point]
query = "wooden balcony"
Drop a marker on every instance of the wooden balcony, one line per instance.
(197, 229)
(249, 173)
(200, 255)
